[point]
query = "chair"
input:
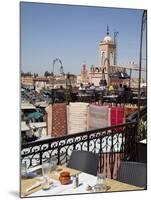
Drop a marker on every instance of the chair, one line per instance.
(84, 161)
(133, 173)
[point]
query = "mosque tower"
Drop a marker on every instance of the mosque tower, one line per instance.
(84, 74)
(107, 50)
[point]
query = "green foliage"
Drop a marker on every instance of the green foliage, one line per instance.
(47, 74)
(142, 128)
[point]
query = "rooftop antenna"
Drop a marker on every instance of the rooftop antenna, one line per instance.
(115, 41)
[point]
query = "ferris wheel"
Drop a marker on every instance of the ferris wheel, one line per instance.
(61, 66)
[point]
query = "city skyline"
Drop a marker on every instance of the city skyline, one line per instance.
(73, 33)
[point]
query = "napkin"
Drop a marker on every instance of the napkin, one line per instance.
(35, 185)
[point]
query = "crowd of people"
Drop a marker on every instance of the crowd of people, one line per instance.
(90, 86)
(123, 91)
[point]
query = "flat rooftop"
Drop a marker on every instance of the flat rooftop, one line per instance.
(24, 127)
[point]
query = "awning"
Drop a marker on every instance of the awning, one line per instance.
(119, 75)
(35, 115)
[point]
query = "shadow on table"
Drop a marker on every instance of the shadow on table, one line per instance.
(14, 193)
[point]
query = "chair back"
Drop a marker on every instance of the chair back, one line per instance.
(84, 161)
(133, 173)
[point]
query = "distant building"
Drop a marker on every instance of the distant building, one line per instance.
(84, 74)
(79, 80)
(27, 81)
(95, 75)
(107, 65)
(41, 83)
(45, 82)
(60, 80)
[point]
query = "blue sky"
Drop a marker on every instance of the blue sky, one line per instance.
(73, 33)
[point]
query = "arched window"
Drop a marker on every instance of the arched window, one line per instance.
(96, 69)
(102, 58)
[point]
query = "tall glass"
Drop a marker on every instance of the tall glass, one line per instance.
(23, 169)
(101, 180)
(45, 173)
(53, 164)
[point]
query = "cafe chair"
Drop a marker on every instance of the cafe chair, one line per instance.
(84, 161)
(133, 173)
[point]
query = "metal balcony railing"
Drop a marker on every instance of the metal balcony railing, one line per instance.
(112, 143)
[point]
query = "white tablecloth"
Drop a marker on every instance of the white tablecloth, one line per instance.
(58, 189)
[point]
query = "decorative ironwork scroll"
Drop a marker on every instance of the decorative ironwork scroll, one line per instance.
(112, 143)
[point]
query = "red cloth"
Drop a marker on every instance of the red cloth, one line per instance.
(117, 117)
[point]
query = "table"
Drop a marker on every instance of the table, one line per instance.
(85, 97)
(84, 180)
(111, 98)
(142, 100)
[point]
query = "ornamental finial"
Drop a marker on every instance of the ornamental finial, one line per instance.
(107, 31)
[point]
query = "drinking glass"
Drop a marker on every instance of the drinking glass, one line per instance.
(101, 180)
(45, 173)
(23, 169)
(53, 164)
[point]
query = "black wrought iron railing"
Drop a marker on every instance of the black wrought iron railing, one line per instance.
(112, 143)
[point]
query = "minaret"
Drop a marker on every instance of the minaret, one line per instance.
(107, 49)
(84, 74)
